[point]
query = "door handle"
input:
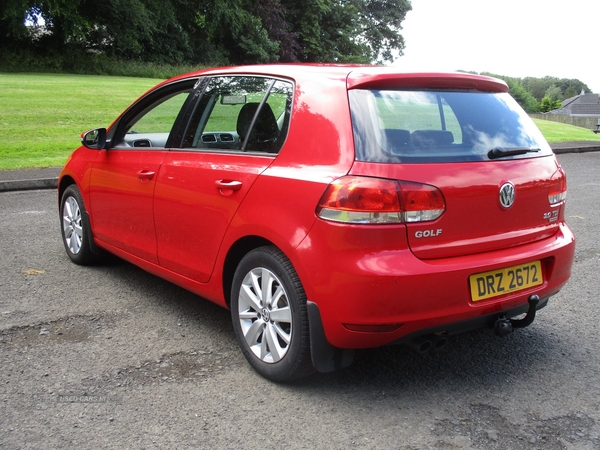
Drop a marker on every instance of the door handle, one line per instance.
(227, 187)
(145, 175)
(230, 185)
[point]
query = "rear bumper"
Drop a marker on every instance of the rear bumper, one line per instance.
(363, 283)
(487, 321)
(327, 358)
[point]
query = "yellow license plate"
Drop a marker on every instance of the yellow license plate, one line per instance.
(504, 281)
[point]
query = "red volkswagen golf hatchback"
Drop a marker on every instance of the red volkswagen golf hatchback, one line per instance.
(330, 208)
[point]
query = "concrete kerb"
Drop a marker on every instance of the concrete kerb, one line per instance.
(26, 185)
(575, 147)
(23, 180)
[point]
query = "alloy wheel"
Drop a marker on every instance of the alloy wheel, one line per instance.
(265, 315)
(72, 227)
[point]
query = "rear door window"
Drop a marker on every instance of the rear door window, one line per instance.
(441, 126)
(250, 114)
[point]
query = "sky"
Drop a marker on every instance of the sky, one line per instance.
(515, 38)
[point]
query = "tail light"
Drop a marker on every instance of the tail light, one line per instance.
(558, 187)
(364, 200)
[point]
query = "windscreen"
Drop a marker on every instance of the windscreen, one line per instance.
(441, 126)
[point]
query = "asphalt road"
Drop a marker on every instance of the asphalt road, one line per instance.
(112, 357)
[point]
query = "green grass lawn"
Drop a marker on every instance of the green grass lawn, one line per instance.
(560, 132)
(42, 116)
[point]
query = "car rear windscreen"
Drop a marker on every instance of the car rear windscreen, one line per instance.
(412, 126)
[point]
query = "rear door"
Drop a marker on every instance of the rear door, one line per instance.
(236, 130)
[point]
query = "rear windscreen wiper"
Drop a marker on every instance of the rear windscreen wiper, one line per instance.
(501, 152)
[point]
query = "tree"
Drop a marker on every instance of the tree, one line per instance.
(347, 30)
(547, 104)
(524, 98)
(146, 30)
(518, 92)
(555, 88)
(305, 20)
(129, 29)
(553, 93)
(233, 32)
(15, 13)
(380, 22)
(209, 31)
(273, 17)
(538, 87)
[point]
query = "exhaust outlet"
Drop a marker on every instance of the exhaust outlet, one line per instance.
(427, 343)
(421, 345)
(438, 341)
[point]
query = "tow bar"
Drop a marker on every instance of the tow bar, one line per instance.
(504, 326)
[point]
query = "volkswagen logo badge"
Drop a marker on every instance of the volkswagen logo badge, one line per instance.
(507, 195)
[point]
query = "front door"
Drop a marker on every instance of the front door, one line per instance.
(122, 190)
(123, 178)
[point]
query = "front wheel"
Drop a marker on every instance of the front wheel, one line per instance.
(268, 309)
(75, 227)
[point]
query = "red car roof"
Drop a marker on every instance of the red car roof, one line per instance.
(364, 76)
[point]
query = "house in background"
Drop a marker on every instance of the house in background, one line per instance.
(582, 105)
(583, 110)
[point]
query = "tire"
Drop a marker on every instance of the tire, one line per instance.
(75, 228)
(268, 310)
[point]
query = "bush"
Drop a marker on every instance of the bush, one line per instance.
(77, 62)
(547, 104)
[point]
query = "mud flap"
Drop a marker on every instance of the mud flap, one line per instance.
(325, 357)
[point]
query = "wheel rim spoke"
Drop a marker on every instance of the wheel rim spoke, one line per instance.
(282, 315)
(276, 296)
(274, 348)
(75, 244)
(283, 335)
(248, 299)
(254, 332)
(247, 315)
(264, 350)
(266, 283)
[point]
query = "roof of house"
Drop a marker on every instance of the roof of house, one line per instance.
(581, 105)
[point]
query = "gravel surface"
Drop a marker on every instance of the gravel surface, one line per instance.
(112, 357)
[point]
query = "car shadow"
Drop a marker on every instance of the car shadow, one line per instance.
(168, 297)
(476, 359)
(472, 358)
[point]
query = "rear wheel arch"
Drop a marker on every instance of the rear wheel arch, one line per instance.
(235, 254)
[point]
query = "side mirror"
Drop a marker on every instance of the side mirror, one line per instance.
(94, 139)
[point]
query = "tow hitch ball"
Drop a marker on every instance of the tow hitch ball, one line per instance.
(504, 326)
